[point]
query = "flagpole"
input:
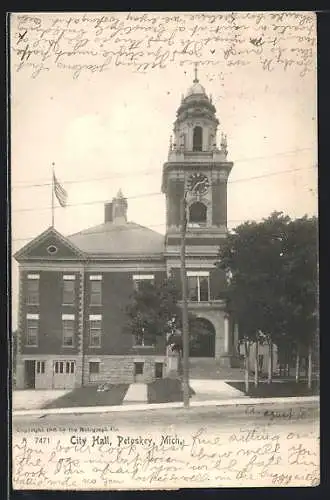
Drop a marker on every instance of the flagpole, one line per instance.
(53, 187)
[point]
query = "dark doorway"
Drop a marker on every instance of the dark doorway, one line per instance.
(198, 139)
(138, 371)
(202, 338)
(30, 374)
(159, 370)
(138, 368)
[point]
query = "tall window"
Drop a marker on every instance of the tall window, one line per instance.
(32, 294)
(139, 279)
(198, 139)
(68, 290)
(198, 286)
(95, 290)
(143, 339)
(68, 329)
(197, 213)
(95, 330)
(40, 367)
(64, 367)
(32, 329)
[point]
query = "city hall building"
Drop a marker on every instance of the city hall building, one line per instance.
(73, 290)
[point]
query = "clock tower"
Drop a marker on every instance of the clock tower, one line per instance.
(197, 169)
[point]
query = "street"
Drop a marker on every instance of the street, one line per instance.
(226, 416)
(257, 445)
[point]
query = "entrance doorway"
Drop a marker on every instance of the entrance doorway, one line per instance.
(159, 370)
(201, 338)
(64, 374)
(30, 374)
(138, 371)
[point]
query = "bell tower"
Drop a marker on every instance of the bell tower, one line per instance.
(197, 167)
(197, 170)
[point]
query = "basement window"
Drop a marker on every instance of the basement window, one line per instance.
(94, 367)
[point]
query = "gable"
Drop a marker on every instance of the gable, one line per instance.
(50, 245)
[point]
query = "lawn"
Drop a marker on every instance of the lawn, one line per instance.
(89, 396)
(278, 389)
(166, 390)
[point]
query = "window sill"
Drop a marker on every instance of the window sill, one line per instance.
(94, 347)
(29, 345)
(199, 301)
(32, 305)
(68, 346)
(143, 346)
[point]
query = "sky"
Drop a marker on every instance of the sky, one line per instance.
(111, 130)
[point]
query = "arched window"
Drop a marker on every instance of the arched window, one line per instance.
(198, 139)
(197, 213)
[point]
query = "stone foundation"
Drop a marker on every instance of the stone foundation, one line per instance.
(112, 369)
(120, 369)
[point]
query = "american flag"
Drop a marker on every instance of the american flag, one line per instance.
(60, 192)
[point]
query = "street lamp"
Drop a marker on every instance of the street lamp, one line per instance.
(185, 326)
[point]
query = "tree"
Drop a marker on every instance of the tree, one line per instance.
(153, 311)
(245, 344)
(272, 286)
(301, 278)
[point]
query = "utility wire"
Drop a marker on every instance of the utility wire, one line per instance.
(146, 195)
(87, 232)
(147, 171)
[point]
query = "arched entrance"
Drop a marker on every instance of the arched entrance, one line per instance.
(201, 338)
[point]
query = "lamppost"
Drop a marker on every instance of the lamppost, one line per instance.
(185, 326)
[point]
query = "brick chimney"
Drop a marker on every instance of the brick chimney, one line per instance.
(108, 212)
(119, 209)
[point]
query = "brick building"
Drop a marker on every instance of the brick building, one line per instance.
(73, 290)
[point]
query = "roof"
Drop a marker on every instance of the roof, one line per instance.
(196, 88)
(127, 238)
(38, 248)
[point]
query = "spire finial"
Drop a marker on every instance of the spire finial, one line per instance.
(196, 77)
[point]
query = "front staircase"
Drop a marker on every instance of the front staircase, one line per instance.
(210, 368)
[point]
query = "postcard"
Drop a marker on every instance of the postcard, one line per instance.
(164, 250)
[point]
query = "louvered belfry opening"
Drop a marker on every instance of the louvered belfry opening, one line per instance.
(198, 213)
(198, 138)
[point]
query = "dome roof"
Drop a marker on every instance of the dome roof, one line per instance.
(119, 239)
(196, 88)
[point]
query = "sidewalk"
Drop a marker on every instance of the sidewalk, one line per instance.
(206, 390)
(137, 393)
(159, 406)
(35, 398)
